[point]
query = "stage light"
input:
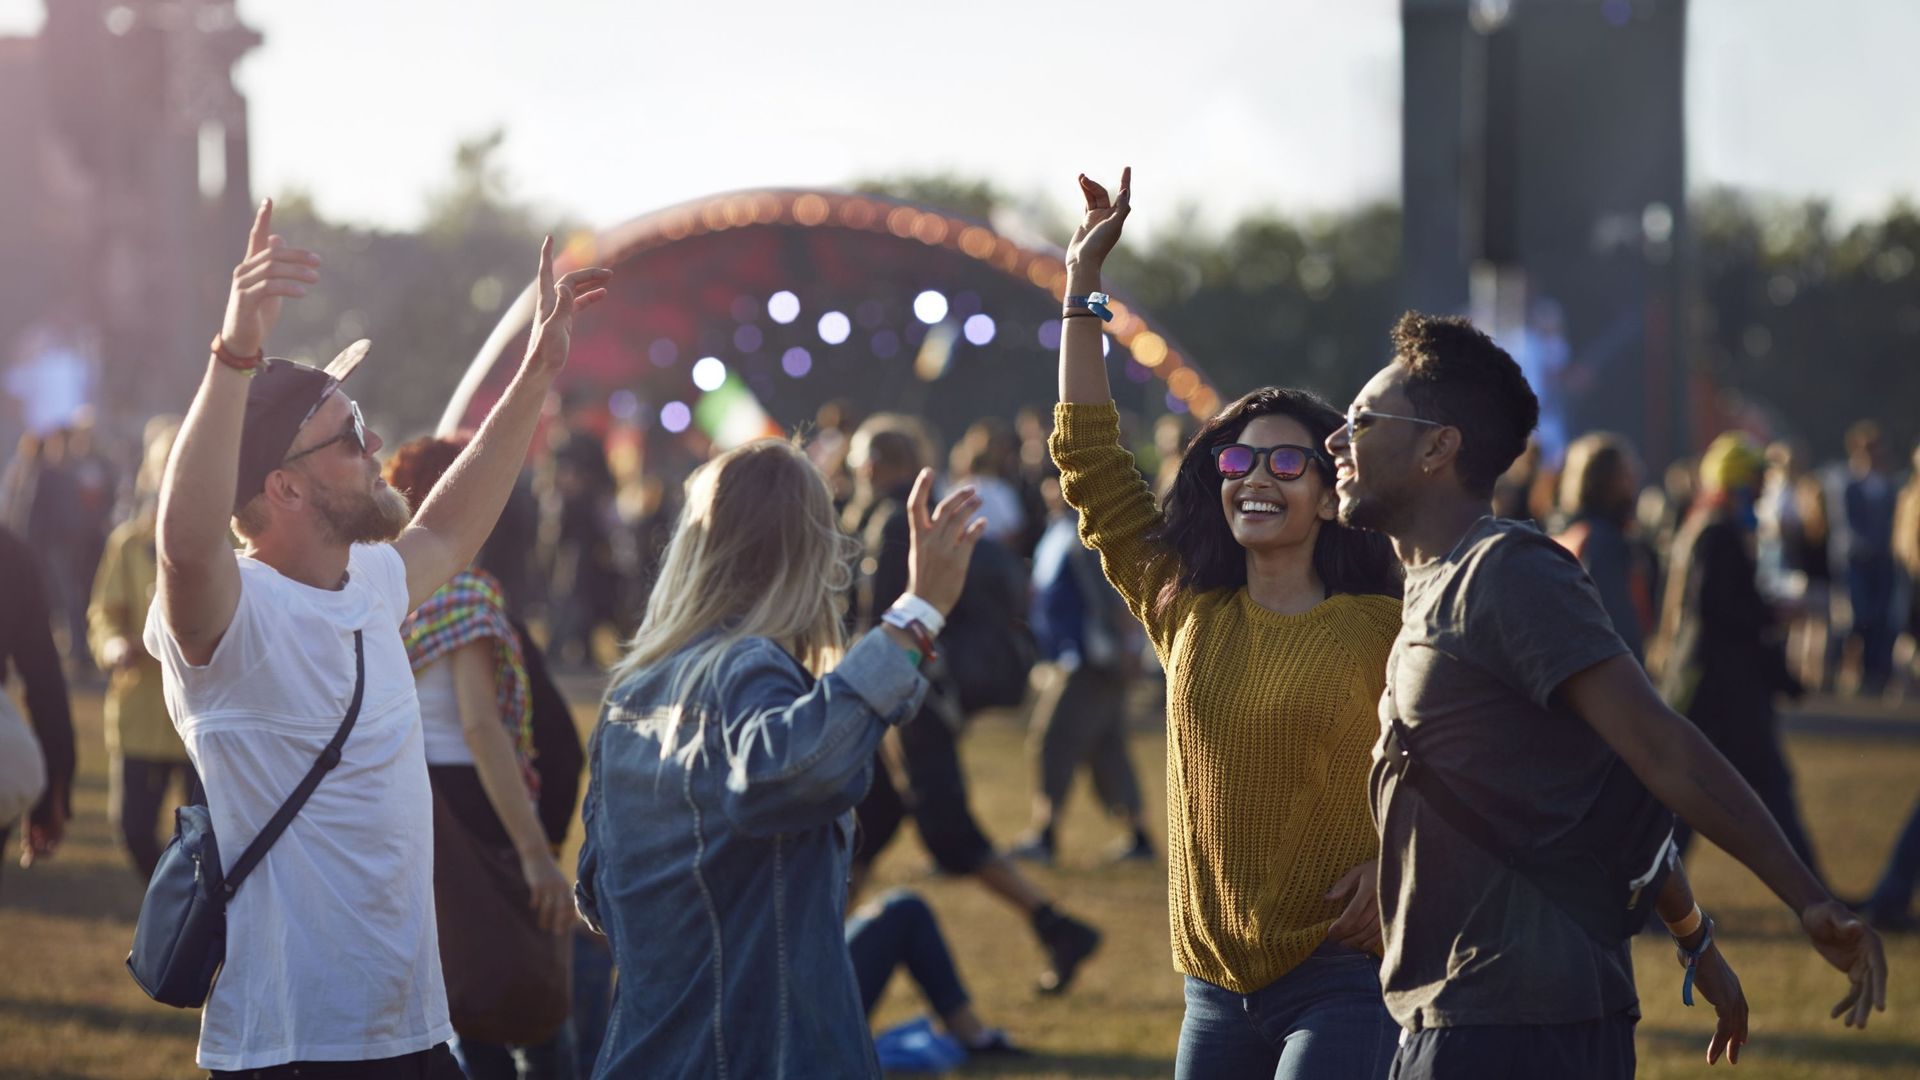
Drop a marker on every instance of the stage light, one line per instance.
(834, 327)
(810, 210)
(747, 338)
(930, 307)
(675, 416)
(623, 405)
(1050, 334)
(796, 362)
(979, 329)
(709, 373)
(663, 352)
(783, 307)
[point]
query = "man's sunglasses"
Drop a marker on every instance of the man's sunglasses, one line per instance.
(354, 432)
(1285, 462)
(1358, 419)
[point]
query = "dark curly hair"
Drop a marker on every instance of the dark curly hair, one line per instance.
(1195, 529)
(1459, 377)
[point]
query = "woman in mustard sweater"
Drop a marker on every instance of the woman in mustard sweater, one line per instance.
(1273, 622)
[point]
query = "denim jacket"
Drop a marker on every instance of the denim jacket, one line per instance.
(716, 860)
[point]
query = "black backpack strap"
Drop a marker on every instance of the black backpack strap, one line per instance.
(1448, 805)
(329, 757)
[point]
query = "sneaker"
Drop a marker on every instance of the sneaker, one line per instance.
(993, 1042)
(1137, 850)
(1068, 942)
(1035, 848)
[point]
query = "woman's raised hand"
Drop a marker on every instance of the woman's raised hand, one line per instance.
(1099, 230)
(943, 542)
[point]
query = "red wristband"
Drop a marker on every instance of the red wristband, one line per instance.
(248, 365)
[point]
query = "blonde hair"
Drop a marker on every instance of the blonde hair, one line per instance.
(756, 553)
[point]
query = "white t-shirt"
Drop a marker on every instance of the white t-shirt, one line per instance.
(332, 952)
(446, 740)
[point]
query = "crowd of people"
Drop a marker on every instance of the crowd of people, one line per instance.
(1441, 715)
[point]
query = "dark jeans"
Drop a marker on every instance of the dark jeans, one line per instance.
(140, 786)
(1893, 895)
(1870, 585)
(551, 1060)
(593, 977)
(935, 794)
(434, 1064)
(1082, 718)
(1325, 1018)
(1591, 1050)
(895, 929)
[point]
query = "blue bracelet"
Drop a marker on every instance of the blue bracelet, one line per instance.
(1691, 958)
(1094, 302)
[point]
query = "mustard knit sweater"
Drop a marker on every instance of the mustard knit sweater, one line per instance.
(1271, 722)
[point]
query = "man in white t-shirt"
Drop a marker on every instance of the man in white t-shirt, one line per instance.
(332, 955)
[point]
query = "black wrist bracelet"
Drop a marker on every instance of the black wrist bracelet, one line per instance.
(1078, 313)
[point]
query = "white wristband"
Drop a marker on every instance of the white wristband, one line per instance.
(913, 607)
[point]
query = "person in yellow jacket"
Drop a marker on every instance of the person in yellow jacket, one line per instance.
(144, 751)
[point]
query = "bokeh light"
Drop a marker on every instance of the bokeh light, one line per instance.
(1050, 334)
(834, 327)
(623, 405)
(675, 416)
(796, 362)
(709, 373)
(747, 338)
(783, 307)
(979, 329)
(930, 307)
(663, 352)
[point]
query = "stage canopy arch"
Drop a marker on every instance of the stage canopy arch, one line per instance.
(741, 314)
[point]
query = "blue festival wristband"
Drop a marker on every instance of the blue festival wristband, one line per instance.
(1691, 958)
(1094, 302)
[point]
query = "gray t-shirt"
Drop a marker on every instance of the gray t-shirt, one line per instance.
(1487, 635)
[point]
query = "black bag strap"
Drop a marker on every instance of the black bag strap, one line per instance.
(328, 758)
(1455, 812)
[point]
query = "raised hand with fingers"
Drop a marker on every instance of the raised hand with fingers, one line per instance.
(270, 272)
(943, 542)
(1848, 943)
(1099, 229)
(555, 304)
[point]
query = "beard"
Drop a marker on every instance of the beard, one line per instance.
(362, 517)
(1359, 512)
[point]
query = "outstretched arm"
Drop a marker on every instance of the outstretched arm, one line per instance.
(461, 510)
(1083, 368)
(1685, 772)
(199, 583)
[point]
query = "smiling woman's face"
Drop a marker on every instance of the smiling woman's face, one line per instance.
(1266, 513)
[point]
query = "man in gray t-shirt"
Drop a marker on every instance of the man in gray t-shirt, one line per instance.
(1472, 683)
(1509, 678)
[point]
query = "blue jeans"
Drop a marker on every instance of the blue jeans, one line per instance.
(896, 929)
(1325, 1018)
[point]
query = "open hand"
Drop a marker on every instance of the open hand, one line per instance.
(554, 307)
(1099, 230)
(269, 273)
(1715, 980)
(1358, 927)
(1844, 941)
(552, 897)
(943, 542)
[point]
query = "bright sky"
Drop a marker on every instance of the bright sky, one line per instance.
(614, 108)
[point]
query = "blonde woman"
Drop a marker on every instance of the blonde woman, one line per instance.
(737, 737)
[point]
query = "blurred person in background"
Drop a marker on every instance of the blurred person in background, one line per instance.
(1170, 434)
(737, 736)
(1906, 551)
(986, 459)
(144, 752)
(1795, 569)
(1867, 498)
(96, 490)
(919, 774)
(1273, 622)
(1890, 905)
(27, 649)
(1598, 489)
(44, 504)
(577, 508)
(1087, 635)
(476, 724)
(897, 929)
(1723, 657)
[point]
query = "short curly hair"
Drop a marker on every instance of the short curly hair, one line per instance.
(1459, 377)
(418, 465)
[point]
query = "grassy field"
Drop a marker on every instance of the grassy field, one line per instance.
(69, 1010)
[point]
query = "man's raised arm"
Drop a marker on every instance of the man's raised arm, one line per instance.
(199, 583)
(461, 510)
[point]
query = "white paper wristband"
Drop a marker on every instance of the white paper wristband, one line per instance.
(917, 609)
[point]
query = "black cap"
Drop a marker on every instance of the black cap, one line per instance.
(279, 399)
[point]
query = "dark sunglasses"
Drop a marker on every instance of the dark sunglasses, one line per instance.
(355, 432)
(1285, 462)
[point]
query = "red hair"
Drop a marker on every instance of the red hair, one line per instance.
(418, 465)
